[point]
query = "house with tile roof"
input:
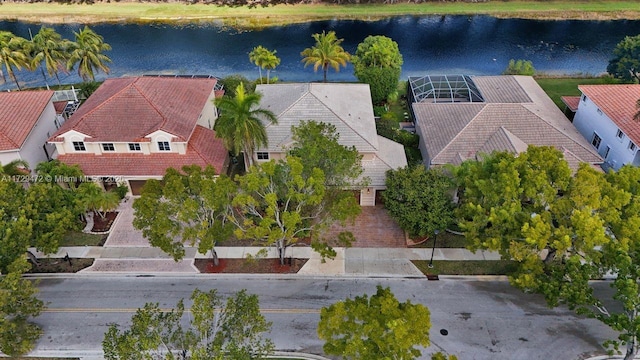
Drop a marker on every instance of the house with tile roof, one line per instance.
(460, 117)
(604, 116)
(27, 119)
(346, 106)
(133, 129)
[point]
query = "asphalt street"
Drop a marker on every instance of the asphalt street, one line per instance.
(483, 319)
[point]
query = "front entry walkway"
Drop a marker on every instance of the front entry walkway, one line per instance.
(373, 228)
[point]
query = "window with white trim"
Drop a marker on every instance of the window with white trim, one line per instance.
(108, 147)
(599, 112)
(596, 141)
(632, 146)
(164, 146)
(263, 156)
(584, 98)
(79, 146)
(134, 147)
(620, 134)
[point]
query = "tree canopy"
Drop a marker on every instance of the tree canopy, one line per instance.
(14, 53)
(264, 59)
(625, 63)
(216, 331)
(87, 52)
(376, 327)
(326, 53)
(17, 305)
(519, 67)
(188, 207)
(419, 199)
(378, 62)
(562, 230)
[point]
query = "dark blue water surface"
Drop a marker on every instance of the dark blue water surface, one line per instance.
(476, 45)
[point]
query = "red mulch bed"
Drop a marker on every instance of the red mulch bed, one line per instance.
(103, 225)
(243, 266)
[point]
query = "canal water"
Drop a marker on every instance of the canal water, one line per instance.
(476, 45)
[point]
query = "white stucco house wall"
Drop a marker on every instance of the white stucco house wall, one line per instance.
(27, 119)
(605, 118)
(346, 106)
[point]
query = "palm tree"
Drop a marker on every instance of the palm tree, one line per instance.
(48, 46)
(92, 198)
(240, 125)
(15, 167)
(264, 59)
(326, 53)
(14, 52)
(87, 53)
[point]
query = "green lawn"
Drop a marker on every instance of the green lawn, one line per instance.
(468, 267)
(445, 240)
(78, 238)
(243, 16)
(556, 87)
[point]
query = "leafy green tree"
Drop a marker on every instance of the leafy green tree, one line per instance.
(317, 145)
(563, 231)
(216, 332)
(53, 211)
(327, 52)
(14, 52)
(91, 197)
(378, 62)
(520, 67)
(241, 125)
(231, 82)
(278, 205)
(56, 170)
(15, 228)
(186, 207)
(17, 305)
(376, 327)
(264, 59)
(419, 199)
(48, 46)
(87, 52)
(625, 63)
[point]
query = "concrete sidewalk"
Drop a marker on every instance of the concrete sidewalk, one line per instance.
(384, 262)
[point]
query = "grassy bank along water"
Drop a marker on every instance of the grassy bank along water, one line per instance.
(245, 17)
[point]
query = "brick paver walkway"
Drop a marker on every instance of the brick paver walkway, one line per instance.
(123, 233)
(373, 228)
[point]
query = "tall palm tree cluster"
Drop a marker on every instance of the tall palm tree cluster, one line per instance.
(48, 50)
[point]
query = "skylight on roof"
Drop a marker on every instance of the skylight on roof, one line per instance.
(444, 89)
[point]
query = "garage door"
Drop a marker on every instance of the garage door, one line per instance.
(136, 186)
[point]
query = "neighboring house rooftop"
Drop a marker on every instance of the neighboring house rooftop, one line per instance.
(515, 113)
(618, 102)
(19, 113)
(203, 149)
(169, 104)
(346, 106)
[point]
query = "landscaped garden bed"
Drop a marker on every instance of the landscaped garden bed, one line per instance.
(60, 265)
(79, 238)
(253, 266)
(101, 224)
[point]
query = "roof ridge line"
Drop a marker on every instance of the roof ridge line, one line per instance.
(349, 126)
(164, 118)
(102, 103)
(593, 152)
(484, 106)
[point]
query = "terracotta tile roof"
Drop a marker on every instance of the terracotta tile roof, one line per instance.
(572, 102)
(19, 113)
(203, 149)
(618, 102)
(141, 105)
